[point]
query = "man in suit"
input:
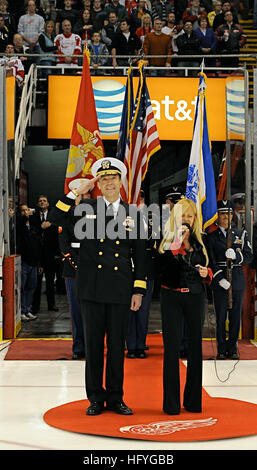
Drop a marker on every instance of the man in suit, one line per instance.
(228, 248)
(108, 284)
(49, 235)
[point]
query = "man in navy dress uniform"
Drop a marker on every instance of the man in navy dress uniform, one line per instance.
(225, 250)
(110, 279)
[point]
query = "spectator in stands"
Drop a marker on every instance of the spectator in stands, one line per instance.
(46, 43)
(188, 44)
(194, 13)
(173, 30)
(217, 11)
(69, 47)
(67, 13)
(207, 5)
(111, 27)
(19, 48)
(84, 27)
(138, 13)
(97, 14)
(77, 4)
(9, 19)
(124, 43)
(50, 250)
(43, 8)
(158, 43)
(30, 248)
(30, 26)
(130, 5)
(180, 6)
(97, 48)
(53, 13)
(208, 40)
(219, 19)
(12, 65)
(231, 38)
(5, 36)
(241, 7)
(17, 8)
(116, 7)
(145, 28)
(161, 9)
(86, 5)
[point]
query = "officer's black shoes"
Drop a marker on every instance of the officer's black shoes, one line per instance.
(119, 407)
(79, 355)
(140, 353)
(233, 356)
(221, 357)
(53, 308)
(95, 408)
(131, 354)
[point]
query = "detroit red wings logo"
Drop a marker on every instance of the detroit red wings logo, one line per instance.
(168, 427)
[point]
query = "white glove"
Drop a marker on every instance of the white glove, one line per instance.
(230, 253)
(224, 283)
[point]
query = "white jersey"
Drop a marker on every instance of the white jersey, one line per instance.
(69, 45)
(13, 65)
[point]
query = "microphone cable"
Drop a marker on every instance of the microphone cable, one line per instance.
(212, 343)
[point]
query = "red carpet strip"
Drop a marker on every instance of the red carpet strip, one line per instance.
(55, 349)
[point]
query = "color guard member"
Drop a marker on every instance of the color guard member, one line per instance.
(237, 253)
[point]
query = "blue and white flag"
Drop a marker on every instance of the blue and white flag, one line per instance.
(200, 181)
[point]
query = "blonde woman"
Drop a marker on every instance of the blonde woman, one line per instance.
(183, 268)
(145, 28)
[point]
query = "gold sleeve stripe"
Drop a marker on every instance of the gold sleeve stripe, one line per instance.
(63, 207)
(141, 284)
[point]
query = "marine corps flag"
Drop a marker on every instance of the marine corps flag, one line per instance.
(86, 144)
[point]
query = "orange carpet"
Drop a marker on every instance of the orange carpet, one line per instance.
(55, 349)
(221, 418)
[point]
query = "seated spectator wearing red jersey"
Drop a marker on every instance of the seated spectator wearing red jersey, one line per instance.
(231, 38)
(194, 13)
(13, 65)
(69, 47)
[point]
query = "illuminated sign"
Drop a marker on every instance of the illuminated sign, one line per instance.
(173, 101)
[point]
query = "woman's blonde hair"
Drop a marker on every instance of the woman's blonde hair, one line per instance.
(170, 227)
(146, 15)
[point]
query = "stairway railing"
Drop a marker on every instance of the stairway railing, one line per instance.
(27, 104)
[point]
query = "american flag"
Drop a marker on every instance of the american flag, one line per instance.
(141, 143)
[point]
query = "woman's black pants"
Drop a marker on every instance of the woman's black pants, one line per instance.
(176, 306)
